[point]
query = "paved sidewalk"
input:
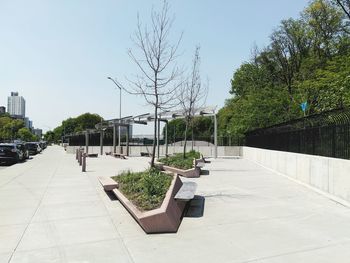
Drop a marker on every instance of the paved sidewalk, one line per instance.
(52, 212)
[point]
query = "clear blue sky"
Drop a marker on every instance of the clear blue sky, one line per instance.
(58, 54)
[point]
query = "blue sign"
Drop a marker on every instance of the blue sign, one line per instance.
(303, 106)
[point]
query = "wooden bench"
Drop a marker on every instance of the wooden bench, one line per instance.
(119, 155)
(92, 155)
(108, 183)
(186, 192)
(145, 154)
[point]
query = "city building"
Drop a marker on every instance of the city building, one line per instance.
(2, 110)
(28, 123)
(16, 105)
(38, 132)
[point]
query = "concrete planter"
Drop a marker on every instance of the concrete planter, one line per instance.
(189, 173)
(165, 219)
(194, 172)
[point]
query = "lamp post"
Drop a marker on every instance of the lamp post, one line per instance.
(120, 109)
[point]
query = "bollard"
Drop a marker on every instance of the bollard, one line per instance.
(83, 167)
(76, 154)
(79, 155)
(80, 158)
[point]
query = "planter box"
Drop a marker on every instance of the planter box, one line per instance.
(165, 219)
(194, 172)
(189, 173)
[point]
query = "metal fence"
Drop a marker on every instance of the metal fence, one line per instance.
(325, 134)
(94, 140)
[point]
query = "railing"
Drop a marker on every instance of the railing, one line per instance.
(139, 140)
(326, 134)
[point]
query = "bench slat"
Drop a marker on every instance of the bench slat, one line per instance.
(186, 191)
(108, 183)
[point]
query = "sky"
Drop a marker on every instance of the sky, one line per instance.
(58, 53)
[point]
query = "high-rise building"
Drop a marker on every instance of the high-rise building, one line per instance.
(2, 109)
(28, 123)
(16, 105)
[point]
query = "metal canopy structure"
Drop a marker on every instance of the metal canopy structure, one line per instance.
(144, 119)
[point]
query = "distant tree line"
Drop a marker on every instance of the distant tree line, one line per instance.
(14, 129)
(72, 125)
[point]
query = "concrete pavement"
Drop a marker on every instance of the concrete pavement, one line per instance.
(52, 212)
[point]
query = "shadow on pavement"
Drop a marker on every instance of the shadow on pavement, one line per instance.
(204, 172)
(195, 207)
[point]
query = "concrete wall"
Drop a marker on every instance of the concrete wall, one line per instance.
(207, 151)
(329, 175)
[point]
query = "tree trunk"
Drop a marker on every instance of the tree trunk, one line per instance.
(192, 136)
(154, 136)
(185, 143)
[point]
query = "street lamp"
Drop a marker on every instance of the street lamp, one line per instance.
(120, 109)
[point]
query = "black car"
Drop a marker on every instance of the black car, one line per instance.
(33, 148)
(24, 149)
(10, 153)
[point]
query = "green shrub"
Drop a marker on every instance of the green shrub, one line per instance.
(146, 189)
(178, 161)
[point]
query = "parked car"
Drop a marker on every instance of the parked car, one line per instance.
(10, 153)
(22, 147)
(43, 144)
(33, 148)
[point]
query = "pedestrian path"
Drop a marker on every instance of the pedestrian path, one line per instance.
(52, 212)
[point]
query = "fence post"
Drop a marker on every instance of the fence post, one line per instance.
(333, 141)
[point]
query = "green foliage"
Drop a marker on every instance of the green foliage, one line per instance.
(49, 136)
(71, 125)
(11, 129)
(26, 135)
(202, 127)
(179, 161)
(308, 59)
(146, 189)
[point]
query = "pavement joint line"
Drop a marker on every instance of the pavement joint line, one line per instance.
(334, 244)
(36, 210)
(70, 218)
(257, 221)
(12, 179)
(111, 219)
(70, 245)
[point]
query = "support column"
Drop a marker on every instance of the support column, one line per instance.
(87, 142)
(127, 140)
(166, 138)
(101, 142)
(215, 137)
(114, 138)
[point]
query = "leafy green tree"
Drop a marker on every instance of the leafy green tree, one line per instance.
(306, 60)
(9, 128)
(26, 135)
(71, 125)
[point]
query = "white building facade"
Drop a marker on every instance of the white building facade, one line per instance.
(16, 105)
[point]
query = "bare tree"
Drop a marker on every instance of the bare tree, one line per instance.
(191, 95)
(155, 57)
(345, 5)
